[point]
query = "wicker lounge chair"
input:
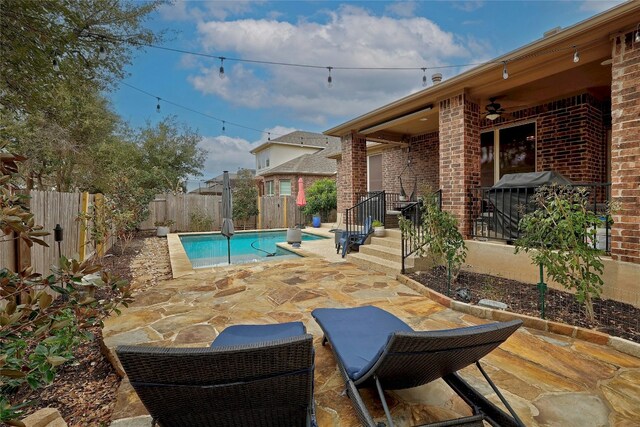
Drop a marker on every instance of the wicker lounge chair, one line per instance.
(349, 240)
(376, 349)
(252, 375)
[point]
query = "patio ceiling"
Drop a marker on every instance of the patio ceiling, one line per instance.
(538, 73)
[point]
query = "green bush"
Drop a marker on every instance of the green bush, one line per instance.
(322, 198)
(200, 221)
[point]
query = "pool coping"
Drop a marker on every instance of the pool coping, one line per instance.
(181, 265)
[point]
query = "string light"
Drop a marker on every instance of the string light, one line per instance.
(102, 53)
(158, 106)
(269, 138)
(424, 77)
(54, 63)
(221, 74)
(223, 126)
(576, 55)
(638, 34)
(505, 73)
(329, 79)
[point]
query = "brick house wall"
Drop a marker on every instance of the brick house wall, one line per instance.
(625, 149)
(352, 170)
(423, 151)
(459, 157)
(571, 136)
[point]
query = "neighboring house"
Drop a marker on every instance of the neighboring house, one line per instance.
(283, 160)
(570, 103)
(214, 185)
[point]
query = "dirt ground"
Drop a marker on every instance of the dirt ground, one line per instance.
(84, 390)
(612, 317)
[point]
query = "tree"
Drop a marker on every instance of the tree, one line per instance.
(245, 196)
(557, 234)
(437, 235)
(169, 155)
(44, 44)
(322, 198)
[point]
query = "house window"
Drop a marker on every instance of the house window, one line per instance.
(285, 187)
(374, 172)
(515, 149)
(262, 159)
(268, 188)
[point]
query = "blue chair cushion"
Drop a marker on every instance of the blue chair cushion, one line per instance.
(251, 334)
(358, 335)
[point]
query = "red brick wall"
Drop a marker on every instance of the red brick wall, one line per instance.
(423, 152)
(625, 148)
(459, 156)
(570, 136)
(352, 170)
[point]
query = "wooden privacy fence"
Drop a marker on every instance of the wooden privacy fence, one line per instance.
(51, 208)
(278, 212)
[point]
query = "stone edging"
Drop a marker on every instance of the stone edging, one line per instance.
(620, 344)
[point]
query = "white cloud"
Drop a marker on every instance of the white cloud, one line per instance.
(351, 37)
(180, 10)
(598, 6)
(405, 9)
(468, 6)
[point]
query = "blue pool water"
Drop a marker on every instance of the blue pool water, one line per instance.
(208, 250)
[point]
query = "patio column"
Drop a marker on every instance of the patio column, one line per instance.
(625, 148)
(352, 170)
(459, 157)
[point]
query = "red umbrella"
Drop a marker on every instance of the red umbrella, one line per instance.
(301, 201)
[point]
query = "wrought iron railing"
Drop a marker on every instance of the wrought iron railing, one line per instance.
(370, 204)
(496, 212)
(413, 236)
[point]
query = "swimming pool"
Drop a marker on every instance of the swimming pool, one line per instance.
(209, 250)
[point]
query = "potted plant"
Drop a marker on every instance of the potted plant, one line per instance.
(378, 228)
(163, 227)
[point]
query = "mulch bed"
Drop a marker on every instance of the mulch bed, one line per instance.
(612, 317)
(84, 391)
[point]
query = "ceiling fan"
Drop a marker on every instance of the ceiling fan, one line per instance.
(494, 110)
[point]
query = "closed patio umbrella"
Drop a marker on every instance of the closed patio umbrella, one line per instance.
(301, 200)
(227, 212)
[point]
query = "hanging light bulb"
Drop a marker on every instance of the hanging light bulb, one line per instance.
(158, 106)
(329, 79)
(301, 142)
(221, 73)
(424, 77)
(56, 65)
(223, 126)
(638, 34)
(576, 55)
(102, 53)
(269, 138)
(505, 73)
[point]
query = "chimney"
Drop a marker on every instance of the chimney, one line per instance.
(436, 78)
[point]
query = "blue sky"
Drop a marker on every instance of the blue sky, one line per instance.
(280, 99)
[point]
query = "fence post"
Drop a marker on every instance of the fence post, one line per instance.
(82, 240)
(259, 213)
(284, 208)
(99, 206)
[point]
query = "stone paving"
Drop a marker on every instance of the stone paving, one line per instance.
(551, 380)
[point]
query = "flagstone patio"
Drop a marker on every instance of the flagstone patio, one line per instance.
(550, 380)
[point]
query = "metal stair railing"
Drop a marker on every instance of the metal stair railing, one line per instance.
(373, 204)
(411, 242)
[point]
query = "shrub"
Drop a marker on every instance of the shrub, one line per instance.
(322, 197)
(200, 221)
(557, 234)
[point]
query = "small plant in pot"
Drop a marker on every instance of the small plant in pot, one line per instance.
(163, 227)
(378, 228)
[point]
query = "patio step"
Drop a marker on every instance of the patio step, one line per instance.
(385, 253)
(389, 242)
(370, 262)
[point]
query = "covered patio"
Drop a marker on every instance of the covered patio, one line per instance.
(549, 379)
(567, 103)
